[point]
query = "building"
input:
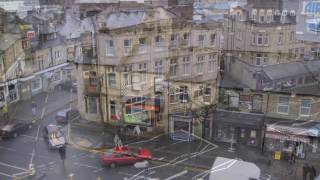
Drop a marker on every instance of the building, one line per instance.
(151, 69)
(261, 34)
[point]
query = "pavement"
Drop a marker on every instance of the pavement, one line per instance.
(46, 103)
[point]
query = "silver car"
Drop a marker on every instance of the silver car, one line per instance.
(66, 115)
(54, 136)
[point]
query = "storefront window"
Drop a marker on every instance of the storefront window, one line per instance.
(36, 84)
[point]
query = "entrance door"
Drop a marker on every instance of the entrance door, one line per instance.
(12, 93)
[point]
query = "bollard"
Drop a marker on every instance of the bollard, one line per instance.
(71, 176)
(32, 171)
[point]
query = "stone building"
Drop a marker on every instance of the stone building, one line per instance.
(151, 69)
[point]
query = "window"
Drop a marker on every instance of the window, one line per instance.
(266, 39)
(201, 40)
(261, 15)
(173, 68)
(257, 103)
(158, 67)
(142, 45)
(173, 40)
(199, 65)
(109, 48)
(292, 36)
(269, 16)
(56, 76)
(158, 41)
(127, 45)
(112, 80)
(213, 39)
(253, 134)
(36, 84)
(254, 15)
(260, 39)
(283, 105)
(186, 37)
(92, 105)
(305, 107)
(113, 108)
(212, 63)
(259, 59)
(93, 79)
(185, 66)
(280, 39)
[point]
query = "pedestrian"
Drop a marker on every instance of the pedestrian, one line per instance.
(5, 111)
(34, 108)
(313, 173)
(305, 171)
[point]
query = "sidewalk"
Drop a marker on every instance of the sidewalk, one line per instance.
(52, 102)
(99, 136)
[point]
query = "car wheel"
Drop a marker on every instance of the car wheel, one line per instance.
(15, 135)
(113, 165)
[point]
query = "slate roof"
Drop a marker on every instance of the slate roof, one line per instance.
(285, 70)
(228, 82)
(129, 18)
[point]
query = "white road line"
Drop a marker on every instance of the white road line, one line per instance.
(163, 147)
(37, 136)
(85, 165)
(138, 142)
(98, 170)
(177, 175)
(12, 166)
(8, 175)
(162, 158)
(8, 149)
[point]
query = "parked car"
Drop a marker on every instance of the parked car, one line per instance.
(15, 128)
(66, 115)
(54, 136)
(125, 156)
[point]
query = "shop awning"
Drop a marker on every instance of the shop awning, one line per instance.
(302, 128)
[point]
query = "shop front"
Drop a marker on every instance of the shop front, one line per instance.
(288, 139)
(238, 127)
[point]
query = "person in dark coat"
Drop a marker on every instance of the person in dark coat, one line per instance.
(305, 171)
(313, 173)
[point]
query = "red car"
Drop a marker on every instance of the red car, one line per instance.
(124, 156)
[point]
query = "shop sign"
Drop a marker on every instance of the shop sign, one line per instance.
(136, 119)
(277, 155)
(288, 137)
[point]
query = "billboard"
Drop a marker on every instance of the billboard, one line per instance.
(308, 21)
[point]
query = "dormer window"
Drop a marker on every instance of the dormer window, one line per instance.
(269, 16)
(261, 15)
(254, 15)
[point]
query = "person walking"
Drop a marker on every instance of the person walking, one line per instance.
(5, 111)
(34, 108)
(313, 173)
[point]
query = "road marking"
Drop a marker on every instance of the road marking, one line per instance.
(138, 142)
(12, 166)
(8, 149)
(163, 147)
(162, 158)
(8, 175)
(177, 175)
(85, 165)
(37, 136)
(46, 100)
(98, 170)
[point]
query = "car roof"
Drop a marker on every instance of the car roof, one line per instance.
(52, 128)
